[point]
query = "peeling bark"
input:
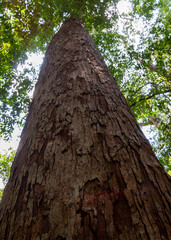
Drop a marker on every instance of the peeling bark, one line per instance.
(83, 169)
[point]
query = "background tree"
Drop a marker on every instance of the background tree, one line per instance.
(140, 65)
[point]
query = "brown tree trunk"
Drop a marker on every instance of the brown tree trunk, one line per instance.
(83, 169)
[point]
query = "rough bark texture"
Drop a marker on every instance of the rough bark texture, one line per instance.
(83, 169)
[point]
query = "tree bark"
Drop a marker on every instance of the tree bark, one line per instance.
(83, 169)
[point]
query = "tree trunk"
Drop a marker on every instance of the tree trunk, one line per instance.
(83, 169)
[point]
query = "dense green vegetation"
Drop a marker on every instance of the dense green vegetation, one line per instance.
(5, 166)
(135, 43)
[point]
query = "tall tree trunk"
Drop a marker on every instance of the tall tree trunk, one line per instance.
(83, 169)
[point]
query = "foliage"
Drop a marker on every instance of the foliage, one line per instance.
(5, 164)
(1, 193)
(150, 98)
(135, 44)
(14, 97)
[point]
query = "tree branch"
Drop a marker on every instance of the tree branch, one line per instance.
(123, 17)
(151, 96)
(155, 121)
(151, 121)
(139, 89)
(152, 67)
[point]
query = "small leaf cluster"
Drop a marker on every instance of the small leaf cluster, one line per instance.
(5, 164)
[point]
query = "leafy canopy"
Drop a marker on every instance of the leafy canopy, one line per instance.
(135, 44)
